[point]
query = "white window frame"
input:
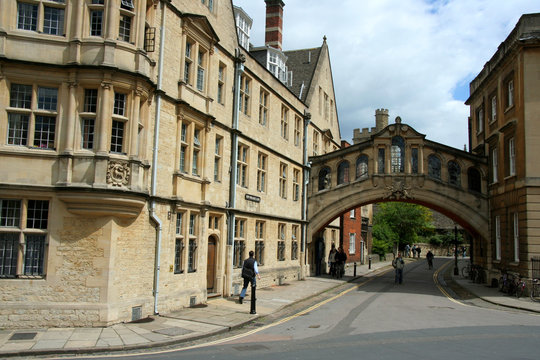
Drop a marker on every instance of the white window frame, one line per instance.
(493, 117)
(511, 157)
(352, 243)
(497, 237)
(516, 236)
(494, 165)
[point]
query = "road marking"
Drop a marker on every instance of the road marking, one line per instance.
(251, 332)
(441, 289)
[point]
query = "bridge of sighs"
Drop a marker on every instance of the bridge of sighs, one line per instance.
(399, 164)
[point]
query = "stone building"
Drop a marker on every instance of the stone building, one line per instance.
(504, 117)
(144, 151)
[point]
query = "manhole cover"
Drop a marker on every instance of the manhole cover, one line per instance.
(173, 331)
(23, 336)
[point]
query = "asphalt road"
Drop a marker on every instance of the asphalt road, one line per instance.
(377, 319)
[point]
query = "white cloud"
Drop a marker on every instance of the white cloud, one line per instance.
(408, 56)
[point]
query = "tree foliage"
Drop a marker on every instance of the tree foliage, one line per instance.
(397, 224)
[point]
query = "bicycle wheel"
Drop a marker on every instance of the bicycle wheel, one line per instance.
(465, 271)
(534, 291)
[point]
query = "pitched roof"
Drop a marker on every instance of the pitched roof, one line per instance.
(302, 63)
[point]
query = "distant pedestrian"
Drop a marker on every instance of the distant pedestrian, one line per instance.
(332, 260)
(341, 258)
(429, 257)
(249, 272)
(398, 264)
(413, 250)
(407, 251)
(418, 251)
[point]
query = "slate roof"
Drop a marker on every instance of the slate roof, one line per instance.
(302, 63)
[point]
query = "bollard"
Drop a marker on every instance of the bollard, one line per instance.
(369, 266)
(354, 269)
(253, 311)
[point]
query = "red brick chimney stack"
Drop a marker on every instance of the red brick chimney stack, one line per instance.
(274, 23)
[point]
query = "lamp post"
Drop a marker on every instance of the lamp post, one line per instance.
(456, 271)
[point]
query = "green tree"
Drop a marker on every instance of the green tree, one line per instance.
(397, 224)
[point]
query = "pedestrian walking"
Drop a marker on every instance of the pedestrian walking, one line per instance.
(332, 260)
(249, 273)
(413, 250)
(399, 265)
(341, 258)
(418, 251)
(407, 251)
(429, 257)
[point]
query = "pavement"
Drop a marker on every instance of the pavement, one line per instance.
(219, 315)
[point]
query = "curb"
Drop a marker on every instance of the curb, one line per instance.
(117, 348)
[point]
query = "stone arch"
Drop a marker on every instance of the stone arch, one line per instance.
(455, 204)
(343, 173)
(362, 167)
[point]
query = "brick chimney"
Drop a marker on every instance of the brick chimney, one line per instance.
(274, 23)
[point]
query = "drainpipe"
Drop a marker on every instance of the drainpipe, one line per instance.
(307, 166)
(153, 215)
(238, 70)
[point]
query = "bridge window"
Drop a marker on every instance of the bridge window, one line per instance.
(398, 154)
(380, 161)
(361, 166)
(343, 172)
(434, 167)
(324, 179)
(474, 180)
(454, 173)
(414, 160)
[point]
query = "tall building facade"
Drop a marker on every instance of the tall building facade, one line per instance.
(504, 117)
(144, 152)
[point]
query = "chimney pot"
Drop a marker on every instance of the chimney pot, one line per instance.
(274, 23)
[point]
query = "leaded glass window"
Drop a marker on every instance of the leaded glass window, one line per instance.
(454, 173)
(361, 166)
(398, 154)
(343, 172)
(434, 167)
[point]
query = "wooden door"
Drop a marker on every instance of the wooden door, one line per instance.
(211, 264)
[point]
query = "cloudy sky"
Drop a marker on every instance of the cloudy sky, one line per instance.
(412, 57)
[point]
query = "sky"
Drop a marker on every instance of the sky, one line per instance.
(415, 58)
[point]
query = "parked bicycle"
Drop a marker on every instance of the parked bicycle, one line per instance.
(507, 283)
(520, 286)
(534, 291)
(473, 272)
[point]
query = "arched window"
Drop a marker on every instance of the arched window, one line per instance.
(361, 166)
(454, 173)
(434, 167)
(475, 180)
(343, 172)
(397, 154)
(324, 179)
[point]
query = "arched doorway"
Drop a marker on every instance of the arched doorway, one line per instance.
(211, 265)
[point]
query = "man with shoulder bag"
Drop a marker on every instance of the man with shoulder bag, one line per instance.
(249, 272)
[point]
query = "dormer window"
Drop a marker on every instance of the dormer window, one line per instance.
(276, 61)
(243, 26)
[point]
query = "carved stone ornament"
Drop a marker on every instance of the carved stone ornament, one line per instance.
(118, 173)
(398, 191)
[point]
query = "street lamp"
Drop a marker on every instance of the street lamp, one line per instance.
(456, 271)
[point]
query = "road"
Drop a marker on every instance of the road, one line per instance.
(377, 319)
